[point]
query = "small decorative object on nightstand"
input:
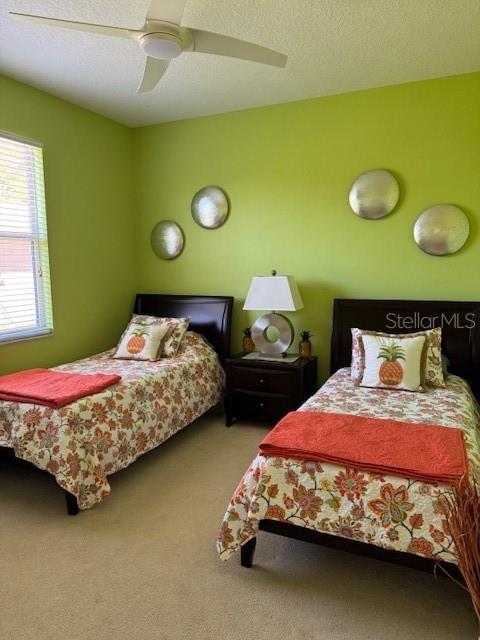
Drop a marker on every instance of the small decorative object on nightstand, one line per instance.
(267, 390)
(305, 346)
(248, 344)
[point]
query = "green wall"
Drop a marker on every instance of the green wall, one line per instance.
(89, 197)
(287, 170)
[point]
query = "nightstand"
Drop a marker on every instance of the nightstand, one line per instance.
(267, 390)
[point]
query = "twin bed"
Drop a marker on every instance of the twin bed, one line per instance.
(380, 515)
(84, 442)
(383, 516)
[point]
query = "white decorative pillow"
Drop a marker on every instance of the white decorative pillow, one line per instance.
(393, 363)
(178, 327)
(142, 342)
(434, 376)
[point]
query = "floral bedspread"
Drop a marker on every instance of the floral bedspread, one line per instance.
(87, 440)
(384, 510)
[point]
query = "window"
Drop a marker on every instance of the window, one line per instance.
(25, 297)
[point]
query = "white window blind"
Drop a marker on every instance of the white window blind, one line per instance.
(25, 297)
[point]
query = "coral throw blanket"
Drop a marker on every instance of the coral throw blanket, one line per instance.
(416, 451)
(52, 388)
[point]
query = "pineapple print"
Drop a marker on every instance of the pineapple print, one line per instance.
(136, 344)
(391, 370)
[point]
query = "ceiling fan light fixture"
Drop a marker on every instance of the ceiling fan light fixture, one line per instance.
(163, 46)
(163, 38)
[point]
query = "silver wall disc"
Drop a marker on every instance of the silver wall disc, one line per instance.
(441, 230)
(374, 194)
(210, 207)
(167, 239)
(259, 333)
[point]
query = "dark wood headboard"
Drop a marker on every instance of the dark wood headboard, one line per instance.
(460, 322)
(210, 315)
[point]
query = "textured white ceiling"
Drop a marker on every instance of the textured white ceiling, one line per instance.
(333, 46)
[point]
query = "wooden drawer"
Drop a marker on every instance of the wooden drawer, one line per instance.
(268, 380)
(267, 389)
(260, 405)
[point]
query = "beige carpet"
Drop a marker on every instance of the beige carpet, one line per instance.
(143, 565)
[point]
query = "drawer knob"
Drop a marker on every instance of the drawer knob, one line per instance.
(261, 404)
(261, 380)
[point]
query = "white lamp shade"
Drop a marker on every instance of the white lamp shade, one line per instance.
(277, 293)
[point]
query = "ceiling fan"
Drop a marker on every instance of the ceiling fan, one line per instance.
(163, 38)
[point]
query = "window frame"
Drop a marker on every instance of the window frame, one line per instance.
(36, 236)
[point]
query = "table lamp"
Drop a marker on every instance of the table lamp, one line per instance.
(279, 293)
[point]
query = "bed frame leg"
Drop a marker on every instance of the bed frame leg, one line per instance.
(72, 505)
(247, 552)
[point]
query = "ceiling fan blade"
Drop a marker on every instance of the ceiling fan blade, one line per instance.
(208, 42)
(166, 10)
(154, 70)
(77, 26)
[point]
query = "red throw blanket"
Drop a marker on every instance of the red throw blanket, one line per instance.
(52, 388)
(416, 451)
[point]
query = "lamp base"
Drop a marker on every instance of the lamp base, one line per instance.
(283, 357)
(285, 334)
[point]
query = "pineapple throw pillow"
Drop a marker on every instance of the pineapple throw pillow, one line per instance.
(177, 326)
(434, 374)
(394, 363)
(142, 342)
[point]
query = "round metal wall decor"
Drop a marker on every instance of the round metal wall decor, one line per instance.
(167, 239)
(210, 207)
(374, 194)
(441, 230)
